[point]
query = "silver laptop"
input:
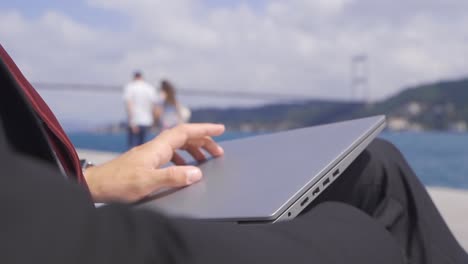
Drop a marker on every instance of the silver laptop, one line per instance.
(270, 178)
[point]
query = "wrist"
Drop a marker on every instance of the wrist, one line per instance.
(90, 173)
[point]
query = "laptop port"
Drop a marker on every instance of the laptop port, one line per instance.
(316, 191)
(305, 201)
(335, 173)
(326, 182)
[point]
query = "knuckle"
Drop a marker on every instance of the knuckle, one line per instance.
(166, 132)
(180, 129)
(173, 176)
(183, 126)
(170, 175)
(158, 158)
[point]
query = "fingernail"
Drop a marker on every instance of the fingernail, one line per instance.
(193, 175)
(220, 150)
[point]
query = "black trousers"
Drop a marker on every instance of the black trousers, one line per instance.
(382, 184)
(377, 212)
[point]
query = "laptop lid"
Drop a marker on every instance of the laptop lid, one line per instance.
(259, 177)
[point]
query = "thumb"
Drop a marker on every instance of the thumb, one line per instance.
(177, 176)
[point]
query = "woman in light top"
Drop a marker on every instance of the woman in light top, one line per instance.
(171, 113)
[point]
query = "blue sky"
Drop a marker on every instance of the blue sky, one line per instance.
(81, 11)
(76, 10)
(299, 47)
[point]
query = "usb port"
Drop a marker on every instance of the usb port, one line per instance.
(316, 191)
(305, 201)
(326, 182)
(335, 173)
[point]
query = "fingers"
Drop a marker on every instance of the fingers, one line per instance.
(178, 136)
(170, 140)
(206, 143)
(212, 147)
(175, 176)
(193, 148)
(177, 159)
(196, 153)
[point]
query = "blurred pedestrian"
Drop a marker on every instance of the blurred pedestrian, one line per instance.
(141, 100)
(171, 112)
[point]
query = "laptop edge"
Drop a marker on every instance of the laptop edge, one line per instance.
(337, 168)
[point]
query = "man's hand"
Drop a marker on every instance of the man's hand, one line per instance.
(137, 173)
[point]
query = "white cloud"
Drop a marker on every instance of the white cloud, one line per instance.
(295, 47)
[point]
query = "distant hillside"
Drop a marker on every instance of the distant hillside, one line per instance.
(439, 106)
(433, 106)
(278, 116)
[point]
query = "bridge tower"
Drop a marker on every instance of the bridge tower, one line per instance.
(360, 89)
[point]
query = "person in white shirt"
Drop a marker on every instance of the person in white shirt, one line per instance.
(141, 101)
